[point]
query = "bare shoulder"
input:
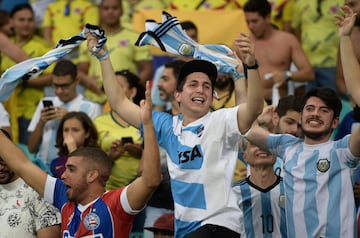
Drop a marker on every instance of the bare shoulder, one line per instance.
(285, 36)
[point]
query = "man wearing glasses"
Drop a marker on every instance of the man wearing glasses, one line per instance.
(50, 111)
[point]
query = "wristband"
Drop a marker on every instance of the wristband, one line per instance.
(104, 56)
(255, 66)
(287, 75)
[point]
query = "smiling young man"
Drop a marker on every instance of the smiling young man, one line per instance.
(87, 210)
(202, 145)
(318, 171)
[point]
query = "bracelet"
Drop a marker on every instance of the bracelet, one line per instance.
(104, 56)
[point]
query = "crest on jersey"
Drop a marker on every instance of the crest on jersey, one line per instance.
(323, 165)
(282, 201)
(200, 130)
(92, 221)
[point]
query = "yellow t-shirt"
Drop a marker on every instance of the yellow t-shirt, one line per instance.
(318, 32)
(124, 169)
(224, 102)
(65, 25)
(129, 10)
(23, 102)
(123, 54)
(202, 5)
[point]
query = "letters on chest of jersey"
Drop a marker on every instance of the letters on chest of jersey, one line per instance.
(190, 157)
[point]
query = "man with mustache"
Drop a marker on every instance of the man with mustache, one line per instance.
(318, 171)
(167, 83)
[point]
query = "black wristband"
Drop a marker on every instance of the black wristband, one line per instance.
(255, 66)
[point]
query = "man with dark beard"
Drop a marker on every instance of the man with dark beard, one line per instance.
(318, 171)
(224, 94)
(355, 38)
(168, 82)
(23, 212)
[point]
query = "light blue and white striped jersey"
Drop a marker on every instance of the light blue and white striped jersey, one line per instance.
(263, 209)
(201, 162)
(318, 186)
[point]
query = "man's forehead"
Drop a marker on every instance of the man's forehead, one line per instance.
(75, 159)
(292, 113)
(198, 77)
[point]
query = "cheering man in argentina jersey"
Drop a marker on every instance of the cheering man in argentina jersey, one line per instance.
(261, 196)
(318, 171)
(202, 145)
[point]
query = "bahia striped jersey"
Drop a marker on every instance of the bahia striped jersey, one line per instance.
(318, 186)
(201, 162)
(108, 216)
(263, 209)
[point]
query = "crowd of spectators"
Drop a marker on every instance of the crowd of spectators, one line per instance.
(73, 105)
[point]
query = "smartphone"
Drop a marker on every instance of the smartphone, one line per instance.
(127, 140)
(47, 103)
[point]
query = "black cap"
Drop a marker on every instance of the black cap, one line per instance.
(197, 65)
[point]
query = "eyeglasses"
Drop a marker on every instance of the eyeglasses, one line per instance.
(63, 85)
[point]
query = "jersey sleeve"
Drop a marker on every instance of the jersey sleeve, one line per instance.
(55, 192)
(277, 143)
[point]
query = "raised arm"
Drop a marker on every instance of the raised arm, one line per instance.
(258, 136)
(11, 50)
(354, 142)
(140, 191)
(349, 62)
(21, 165)
(351, 68)
(249, 111)
(126, 109)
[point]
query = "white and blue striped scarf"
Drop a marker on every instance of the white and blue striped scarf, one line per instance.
(170, 37)
(31, 68)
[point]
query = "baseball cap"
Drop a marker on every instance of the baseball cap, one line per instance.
(198, 65)
(164, 223)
